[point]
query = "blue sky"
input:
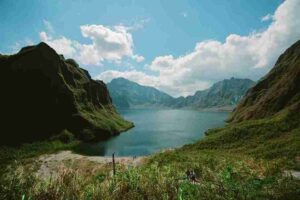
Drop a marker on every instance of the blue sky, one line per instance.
(147, 33)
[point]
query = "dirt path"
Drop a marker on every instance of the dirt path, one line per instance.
(49, 164)
(67, 155)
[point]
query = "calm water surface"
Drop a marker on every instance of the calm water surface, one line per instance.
(156, 130)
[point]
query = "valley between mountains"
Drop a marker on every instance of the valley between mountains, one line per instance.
(254, 156)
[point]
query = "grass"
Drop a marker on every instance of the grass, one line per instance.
(108, 119)
(240, 161)
(10, 155)
(221, 176)
(272, 138)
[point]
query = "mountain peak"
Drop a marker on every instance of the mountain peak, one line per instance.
(42, 46)
(47, 94)
(126, 93)
(120, 79)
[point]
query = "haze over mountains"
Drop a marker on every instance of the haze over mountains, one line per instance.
(128, 94)
(223, 95)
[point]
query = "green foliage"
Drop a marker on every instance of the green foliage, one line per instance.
(240, 161)
(64, 136)
(104, 122)
(66, 97)
(9, 155)
(271, 138)
(87, 135)
(232, 177)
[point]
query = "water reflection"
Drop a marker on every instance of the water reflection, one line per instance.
(156, 130)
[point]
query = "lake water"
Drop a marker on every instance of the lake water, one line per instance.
(156, 130)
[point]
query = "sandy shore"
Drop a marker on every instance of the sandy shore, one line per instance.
(49, 164)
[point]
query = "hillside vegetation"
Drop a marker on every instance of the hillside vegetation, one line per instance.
(42, 94)
(279, 89)
(246, 159)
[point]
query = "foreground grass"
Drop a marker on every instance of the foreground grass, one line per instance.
(221, 176)
(275, 138)
(240, 161)
(10, 155)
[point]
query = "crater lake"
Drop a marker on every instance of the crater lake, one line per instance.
(156, 130)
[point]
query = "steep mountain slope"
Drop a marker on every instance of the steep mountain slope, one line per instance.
(251, 159)
(223, 94)
(128, 94)
(278, 90)
(42, 94)
(266, 123)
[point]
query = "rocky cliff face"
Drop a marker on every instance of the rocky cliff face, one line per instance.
(42, 93)
(278, 90)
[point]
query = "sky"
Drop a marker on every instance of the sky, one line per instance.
(177, 46)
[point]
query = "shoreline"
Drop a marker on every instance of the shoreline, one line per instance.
(50, 164)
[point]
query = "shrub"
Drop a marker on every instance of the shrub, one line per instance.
(64, 136)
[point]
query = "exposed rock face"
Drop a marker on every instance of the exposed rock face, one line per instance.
(278, 90)
(42, 94)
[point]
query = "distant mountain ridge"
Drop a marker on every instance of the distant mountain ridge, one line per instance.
(128, 94)
(222, 95)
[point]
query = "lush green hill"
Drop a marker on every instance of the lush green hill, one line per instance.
(249, 158)
(128, 94)
(223, 95)
(278, 90)
(42, 94)
(268, 116)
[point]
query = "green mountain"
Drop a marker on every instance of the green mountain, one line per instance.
(221, 95)
(42, 94)
(277, 91)
(255, 156)
(266, 123)
(128, 94)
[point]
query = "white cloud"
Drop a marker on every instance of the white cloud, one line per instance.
(249, 56)
(107, 43)
(48, 26)
(133, 75)
(18, 45)
(139, 24)
(266, 17)
(62, 45)
(138, 58)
